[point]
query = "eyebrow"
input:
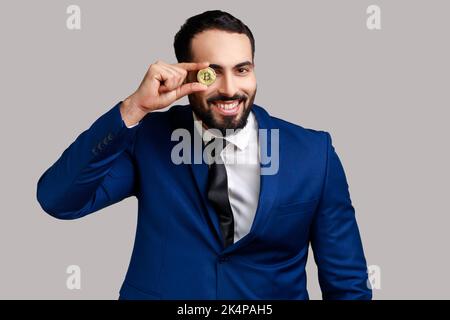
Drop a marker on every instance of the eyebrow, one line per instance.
(239, 65)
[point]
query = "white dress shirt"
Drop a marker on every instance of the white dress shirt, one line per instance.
(241, 159)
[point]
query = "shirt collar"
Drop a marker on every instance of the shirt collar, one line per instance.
(240, 138)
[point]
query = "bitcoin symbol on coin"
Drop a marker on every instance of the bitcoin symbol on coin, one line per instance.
(206, 77)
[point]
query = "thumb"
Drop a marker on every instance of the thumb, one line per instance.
(189, 88)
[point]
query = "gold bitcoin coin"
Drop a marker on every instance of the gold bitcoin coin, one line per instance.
(206, 76)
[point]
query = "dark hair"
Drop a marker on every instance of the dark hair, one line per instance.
(208, 20)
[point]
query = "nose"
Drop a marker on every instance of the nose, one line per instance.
(227, 85)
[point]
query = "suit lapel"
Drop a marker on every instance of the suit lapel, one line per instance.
(199, 169)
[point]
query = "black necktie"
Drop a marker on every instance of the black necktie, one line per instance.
(218, 194)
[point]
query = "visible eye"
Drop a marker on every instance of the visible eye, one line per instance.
(243, 70)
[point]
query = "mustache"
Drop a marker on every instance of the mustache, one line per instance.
(224, 98)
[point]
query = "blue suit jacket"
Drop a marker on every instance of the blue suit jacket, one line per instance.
(178, 252)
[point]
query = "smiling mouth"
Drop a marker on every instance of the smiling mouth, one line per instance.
(228, 108)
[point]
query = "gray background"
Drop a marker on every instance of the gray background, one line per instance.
(383, 95)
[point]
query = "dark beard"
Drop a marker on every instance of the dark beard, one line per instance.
(206, 116)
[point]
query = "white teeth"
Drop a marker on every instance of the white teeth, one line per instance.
(228, 106)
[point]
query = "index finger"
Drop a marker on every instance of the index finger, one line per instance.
(192, 66)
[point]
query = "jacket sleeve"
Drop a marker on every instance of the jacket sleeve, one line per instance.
(335, 238)
(95, 171)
